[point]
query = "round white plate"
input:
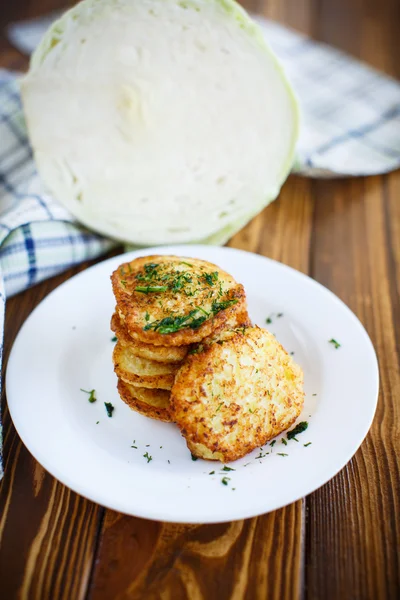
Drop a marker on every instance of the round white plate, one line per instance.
(66, 344)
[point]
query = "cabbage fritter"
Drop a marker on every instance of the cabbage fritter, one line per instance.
(235, 393)
(151, 403)
(142, 372)
(174, 301)
(166, 354)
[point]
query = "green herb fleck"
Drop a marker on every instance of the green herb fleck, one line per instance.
(300, 427)
(186, 263)
(123, 282)
(210, 278)
(114, 339)
(314, 394)
(212, 473)
(334, 343)
(282, 454)
(109, 408)
(147, 456)
(147, 317)
(233, 489)
(97, 422)
(169, 462)
(279, 315)
(203, 311)
(292, 353)
(308, 444)
(268, 320)
(134, 447)
(225, 468)
(92, 395)
(273, 443)
(151, 288)
(284, 441)
(251, 411)
(218, 306)
(261, 455)
(194, 457)
(225, 480)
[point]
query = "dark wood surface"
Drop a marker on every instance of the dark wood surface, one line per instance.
(341, 542)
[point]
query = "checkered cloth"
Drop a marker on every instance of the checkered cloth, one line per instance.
(351, 126)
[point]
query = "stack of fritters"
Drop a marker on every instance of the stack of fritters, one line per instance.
(165, 305)
(188, 353)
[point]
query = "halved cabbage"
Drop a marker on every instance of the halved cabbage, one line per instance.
(160, 121)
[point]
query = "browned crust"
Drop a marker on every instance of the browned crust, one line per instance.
(162, 381)
(189, 336)
(144, 408)
(131, 305)
(164, 354)
(235, 431)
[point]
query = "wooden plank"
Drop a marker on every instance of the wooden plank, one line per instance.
(48, 533)
(257, 558)
(353, 521)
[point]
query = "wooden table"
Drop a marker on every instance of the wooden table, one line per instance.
(342, 542)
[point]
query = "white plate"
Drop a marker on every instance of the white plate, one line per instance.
(66, 345)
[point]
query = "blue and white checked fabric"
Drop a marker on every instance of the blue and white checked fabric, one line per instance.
(350, 126)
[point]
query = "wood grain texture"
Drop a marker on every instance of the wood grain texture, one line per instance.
(342, 541)
(199, 562)
(353, 521)
(48, 534)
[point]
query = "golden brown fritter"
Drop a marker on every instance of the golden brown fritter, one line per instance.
(151, 403)
(142, 372)
(236, 393)
(175, 301)
(165, 354)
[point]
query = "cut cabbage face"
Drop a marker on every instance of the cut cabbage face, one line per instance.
(160, 121)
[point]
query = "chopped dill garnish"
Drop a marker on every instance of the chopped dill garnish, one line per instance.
(151, 288)
(261, 455)
(147, 456)
(186, 263)
(273, 443)
(279, 315)
(308, 444)
(109, 408)
(212, 473)
(134, 447)
(334, 343)
(300, 427)
(284, 441)
(92, 395)
(268, 320)
(218, 306)
(282, 454)
(114, 339)
(194, 457)
(225, 480)
(210, 278)
(225, 468)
